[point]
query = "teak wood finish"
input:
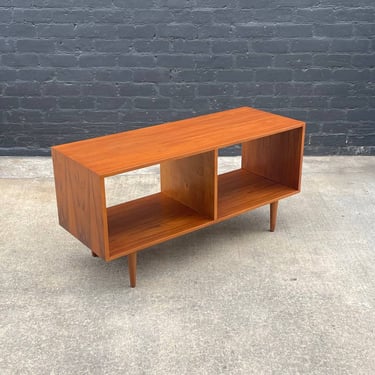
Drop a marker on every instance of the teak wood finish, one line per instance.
(192, 194)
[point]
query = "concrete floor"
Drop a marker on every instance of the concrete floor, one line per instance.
(229, 299)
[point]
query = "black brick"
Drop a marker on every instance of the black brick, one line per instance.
(159, 46)
(196, 75)
(186, 31)
(9, 102)
(332, 60)
(364, 29)
(214, 61)
(332, 89)
(271, 102)
(317, 15)
(254, 60)
(294, 31)
(364, 61)
(41, 103)
(309, 45)
(153, 16)
(177, 90)
(114, 75)
(88, 116)
(361, 115)
(335, 30)
(99, 89)
(293, 60)
(229, 47)
(271, 46)
(294, 89)
(8, 75)
(75, 45)
(190, 46)
(151, 103)
(234, 75)
(151, 75)
(312, 74)
(23, 89)
(136, 32)
(94, 60)
(214, 31)
(348, 45)
(255, 31)
(254, 88)
(329, 140)
(358, 14)
(61, 89)
(122, 46)
(18, 60)
(351, 75)
(131, 89)
(104, 16)
(349, 102)
(214, 90)
(96, 31)
(273, 75)
(23, 30)
(309, 102)
(69, 102)
(364, 140)
(132, 4)
(71, 75)
(105, 103)
(7, 46)
(175, 61)
(56, 30)
(33, 15)
(279, 14)
(176, 3)
(327, 115)
(136, 60)
(23, 116)
(58, 60)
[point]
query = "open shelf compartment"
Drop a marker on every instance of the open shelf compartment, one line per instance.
(270, 170)
(187, 201)
(147, 221)
(241, 190)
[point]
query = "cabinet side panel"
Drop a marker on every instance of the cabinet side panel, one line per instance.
(192, 181)
(277, 157)
(81, 203)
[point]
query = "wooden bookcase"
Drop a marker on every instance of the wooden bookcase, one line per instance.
(192, 193)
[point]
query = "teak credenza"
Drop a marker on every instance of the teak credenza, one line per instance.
(192, 193)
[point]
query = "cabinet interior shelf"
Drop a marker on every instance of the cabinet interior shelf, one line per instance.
(241, 191)
(147, 221)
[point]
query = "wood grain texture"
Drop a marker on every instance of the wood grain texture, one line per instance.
(273, 215)
(277, 157)
(241, 190)
(117, 153)
(148, 221)
(81, 203)
(192, 181)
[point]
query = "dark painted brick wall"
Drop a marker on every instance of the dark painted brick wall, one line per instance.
(75, 69)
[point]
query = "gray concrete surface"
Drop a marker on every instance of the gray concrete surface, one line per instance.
(229, 299)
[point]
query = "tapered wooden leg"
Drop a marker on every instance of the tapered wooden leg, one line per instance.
(93, 254)
(132, 267)
(273, 215)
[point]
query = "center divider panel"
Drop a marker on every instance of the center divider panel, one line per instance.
(192, 181)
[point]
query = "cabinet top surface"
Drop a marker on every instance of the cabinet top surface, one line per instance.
(116, 153)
